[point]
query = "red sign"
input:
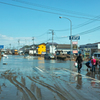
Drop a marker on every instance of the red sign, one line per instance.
(75, 51)
(74, 42)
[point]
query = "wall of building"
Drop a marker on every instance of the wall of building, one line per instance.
(52, 49)
(89, 48)
(41, 49)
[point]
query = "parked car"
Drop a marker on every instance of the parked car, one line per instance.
(49, 56)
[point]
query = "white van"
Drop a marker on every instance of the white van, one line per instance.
(96, 55)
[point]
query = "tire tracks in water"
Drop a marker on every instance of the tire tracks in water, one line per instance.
(9, 77)
(60, 91)
(26, 92)
(51, 88)
(66, 93)
(71, 93)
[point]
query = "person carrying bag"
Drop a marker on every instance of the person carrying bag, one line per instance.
(79, 60)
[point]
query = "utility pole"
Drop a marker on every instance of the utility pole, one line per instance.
(52, 40)
(33, 41)
(10, 46)
(77, 46)
(18, 42)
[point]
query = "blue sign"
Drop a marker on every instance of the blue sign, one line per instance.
(74, 37)
(1, 46)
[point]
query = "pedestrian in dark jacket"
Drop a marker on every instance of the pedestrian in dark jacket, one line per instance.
(79, 60)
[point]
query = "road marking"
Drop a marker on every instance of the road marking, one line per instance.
(84, 76)
(95, 80)
(40, 69)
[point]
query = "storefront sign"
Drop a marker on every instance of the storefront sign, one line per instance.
(75, 42)
(87, 49)
(75, 51)
(74, 37)
(74, 47)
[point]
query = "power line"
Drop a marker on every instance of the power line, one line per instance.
(46, 11)
(81, 33)
(41, 35)
(89, 31)
(52, 8)
(58, 38)
(46, 40)
(86, 23)
(81, 25)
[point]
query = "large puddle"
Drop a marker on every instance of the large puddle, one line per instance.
(39, 79)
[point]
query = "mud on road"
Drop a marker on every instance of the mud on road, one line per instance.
(37, 79)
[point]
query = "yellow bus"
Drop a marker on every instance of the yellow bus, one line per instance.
(15, 52)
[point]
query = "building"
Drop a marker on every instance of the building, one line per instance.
(41, 48)
(14, 51)
(51, 47)
(89, 49)
(33, 50)
(63, 48)
(24, 49)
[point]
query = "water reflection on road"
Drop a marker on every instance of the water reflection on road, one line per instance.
(39, 79)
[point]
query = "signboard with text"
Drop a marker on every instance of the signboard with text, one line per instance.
(1, 46)
(87, 49)
(74, 37)
(74, 47)
(74, 42)
(75, 51)
(87, 53)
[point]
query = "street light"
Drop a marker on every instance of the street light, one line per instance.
(70, 35)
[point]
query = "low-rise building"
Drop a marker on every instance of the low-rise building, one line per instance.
(51, 47)
(89, 49)
(63, 48)
(33, 50)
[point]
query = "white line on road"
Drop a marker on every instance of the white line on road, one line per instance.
(40, 69)
(95, 80)
(84, 76)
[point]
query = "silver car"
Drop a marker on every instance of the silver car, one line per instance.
(49, 56)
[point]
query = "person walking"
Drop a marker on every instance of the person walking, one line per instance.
(79, 60)
(99, 64)
(88, 64)
(93, 61)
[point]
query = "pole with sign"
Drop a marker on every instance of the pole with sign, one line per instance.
(75, 47)
(75, 37)
(1, 46)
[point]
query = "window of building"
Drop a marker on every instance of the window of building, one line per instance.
(98, 55)
(95, 55)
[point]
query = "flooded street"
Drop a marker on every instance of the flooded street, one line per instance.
(39, 79)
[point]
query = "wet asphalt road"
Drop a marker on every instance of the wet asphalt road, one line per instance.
(39, 79)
